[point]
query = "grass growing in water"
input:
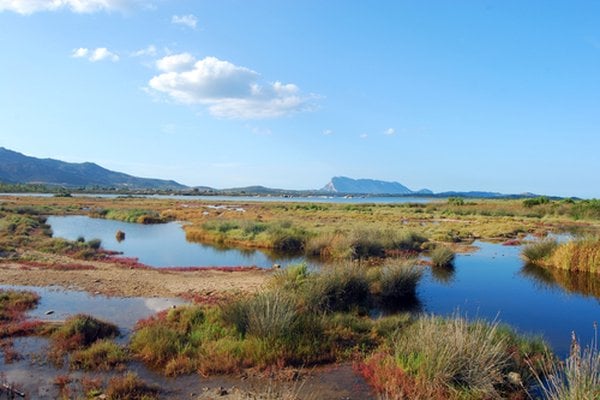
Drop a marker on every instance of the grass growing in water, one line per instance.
(398, 285)
(102, 355)
(578, 255)
(539, 251)
(442, 257)
(130, 387)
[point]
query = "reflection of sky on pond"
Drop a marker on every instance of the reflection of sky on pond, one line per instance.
(122, 311)
(491, 283)
(158, 245)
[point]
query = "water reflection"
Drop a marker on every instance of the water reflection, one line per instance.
(161, 245)
(444, 275)
(583, 283)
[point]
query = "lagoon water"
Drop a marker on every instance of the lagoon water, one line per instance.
(158, 245)
(491, 283)
(494, 283)
(268, 199)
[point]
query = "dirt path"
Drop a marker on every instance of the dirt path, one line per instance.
(115, 280)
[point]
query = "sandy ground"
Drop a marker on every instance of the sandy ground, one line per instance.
(115, 280)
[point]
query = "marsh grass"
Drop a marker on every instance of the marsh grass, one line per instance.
(576, 378)
(539, 251)
(80, 331)
(578, 255)
(442, 257)
(398, 284)
(454, 354)
(130, 387)
(103, 355)
(340, 288)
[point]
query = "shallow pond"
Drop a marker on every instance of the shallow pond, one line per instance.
(493, 283)
(122, 311)
(158, 245)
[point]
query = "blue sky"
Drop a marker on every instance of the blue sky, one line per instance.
(448, 95)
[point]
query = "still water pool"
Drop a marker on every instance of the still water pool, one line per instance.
(490, 283)
(158, 245)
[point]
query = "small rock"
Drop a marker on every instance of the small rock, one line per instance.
(276, 266)
(221, 391)
(49, 312)
(102, 396)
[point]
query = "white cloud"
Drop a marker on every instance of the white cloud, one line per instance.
(389, 132)
(187, 20)
(227, 90)
(80, 53)
(102, 53)
(176, 62)
(99, 54)
(148, 51)
(27, 7)
(327, 132)
(363, 136)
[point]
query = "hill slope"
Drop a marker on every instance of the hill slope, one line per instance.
(19, 168)
(342, 184)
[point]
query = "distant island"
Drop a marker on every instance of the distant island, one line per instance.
(24, 173)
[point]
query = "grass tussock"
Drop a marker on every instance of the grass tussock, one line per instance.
(81, 330)
(338, 289)
(576, 378)
(398, 285)
(130, 387)
(79, 334)
(539, 251)
(450, 358)
(581, 255)
(442, 257)
(103, 355)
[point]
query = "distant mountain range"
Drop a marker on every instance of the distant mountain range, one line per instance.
(17, 168)
(344, 185)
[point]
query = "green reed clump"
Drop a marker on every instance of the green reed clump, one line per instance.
(442, 256)
(539, 251)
